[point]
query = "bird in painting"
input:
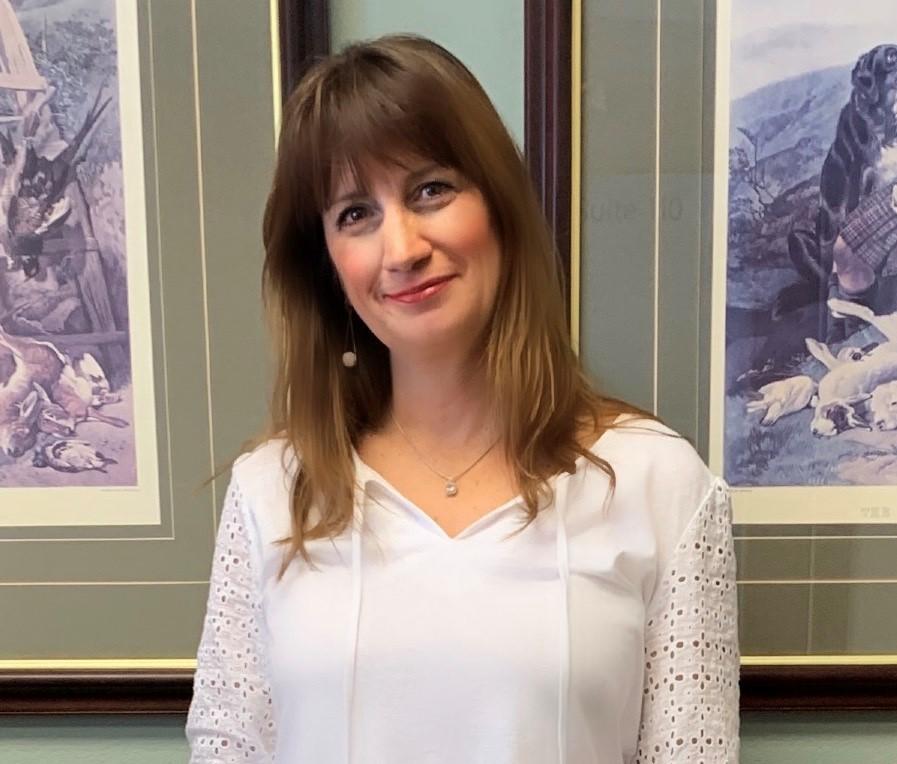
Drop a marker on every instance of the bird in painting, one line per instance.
(69, 455)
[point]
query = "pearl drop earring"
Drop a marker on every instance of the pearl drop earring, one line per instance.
(350, 357)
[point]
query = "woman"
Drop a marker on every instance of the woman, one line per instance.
(448, 547)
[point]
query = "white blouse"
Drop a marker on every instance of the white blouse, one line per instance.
(604, 632)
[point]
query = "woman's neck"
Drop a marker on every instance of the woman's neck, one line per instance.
(442, 405)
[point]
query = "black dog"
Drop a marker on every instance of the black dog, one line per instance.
(866, 125)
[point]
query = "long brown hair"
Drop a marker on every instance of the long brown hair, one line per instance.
(382, 99)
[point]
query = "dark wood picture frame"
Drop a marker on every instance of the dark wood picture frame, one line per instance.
(547, 68)
(547, 71)
(304, 33)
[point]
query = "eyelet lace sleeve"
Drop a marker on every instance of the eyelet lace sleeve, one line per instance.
(691, 693)
(231, 717)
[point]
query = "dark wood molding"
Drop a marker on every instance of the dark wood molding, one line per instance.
(304, 34)
(763, 689)
(96, 692)
(548, 27)
(819, 688)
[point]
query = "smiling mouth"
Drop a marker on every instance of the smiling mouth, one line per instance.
(427, 285)
(422, 293)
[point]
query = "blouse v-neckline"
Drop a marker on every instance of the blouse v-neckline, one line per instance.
(365, 473)
(371, 474)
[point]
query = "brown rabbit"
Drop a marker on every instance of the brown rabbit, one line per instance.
(19, 406)
(48, 367)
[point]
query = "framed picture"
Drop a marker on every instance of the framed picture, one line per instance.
(698, 289)
(805, 281)
(137, 141)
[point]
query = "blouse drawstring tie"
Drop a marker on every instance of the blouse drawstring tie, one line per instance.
(357, 524)
(563, 569)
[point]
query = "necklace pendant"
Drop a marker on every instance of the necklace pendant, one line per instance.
(451, 488)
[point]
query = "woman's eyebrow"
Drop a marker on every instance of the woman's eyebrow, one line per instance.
(425, 170)
(355, 194)
(348, 197)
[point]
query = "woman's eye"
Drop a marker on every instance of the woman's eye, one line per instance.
(434, 184)
(341, 221)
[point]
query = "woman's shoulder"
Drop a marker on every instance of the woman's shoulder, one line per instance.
(266, 464)
(659, 467)
(651, 443)
(263, 478)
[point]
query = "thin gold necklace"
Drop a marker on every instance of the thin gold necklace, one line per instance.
(451, 483)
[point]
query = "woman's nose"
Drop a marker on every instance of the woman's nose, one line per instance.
(404, 246)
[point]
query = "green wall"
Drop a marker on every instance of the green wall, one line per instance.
(493, 49)
(783, 739)
(92, 740)
(829, 738)
(491, 46)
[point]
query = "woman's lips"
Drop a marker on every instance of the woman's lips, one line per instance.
(421, 294)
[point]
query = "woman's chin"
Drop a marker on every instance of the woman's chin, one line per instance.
(426, 344)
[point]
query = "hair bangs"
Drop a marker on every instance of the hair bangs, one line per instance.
(367, 119)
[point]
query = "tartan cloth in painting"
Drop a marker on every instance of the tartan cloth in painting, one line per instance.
(871, 231)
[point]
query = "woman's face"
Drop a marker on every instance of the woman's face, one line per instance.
(416, 225)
